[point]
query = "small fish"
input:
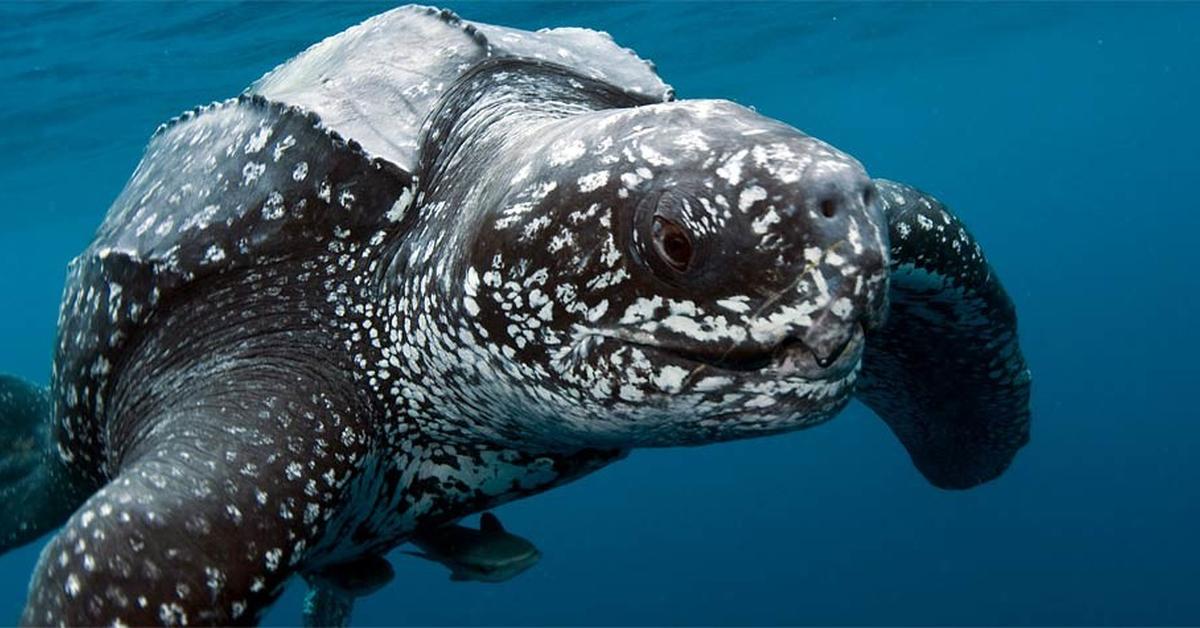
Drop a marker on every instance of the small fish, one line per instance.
(489, 554)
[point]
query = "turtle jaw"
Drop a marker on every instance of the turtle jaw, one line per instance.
(629, 390)
(788, 358)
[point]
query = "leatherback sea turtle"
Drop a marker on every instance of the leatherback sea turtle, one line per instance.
(429, 266)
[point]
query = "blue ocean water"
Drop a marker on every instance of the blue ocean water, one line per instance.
(1066, 135)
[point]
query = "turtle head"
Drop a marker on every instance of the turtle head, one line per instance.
(625, 273)
(676, 273)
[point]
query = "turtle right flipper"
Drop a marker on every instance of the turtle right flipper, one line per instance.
(33, 484)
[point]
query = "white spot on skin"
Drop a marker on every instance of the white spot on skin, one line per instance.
(736, 304)
(400, 207)
(272, 557)
(146, 224)
(214, 254)
(595, 313)
(762, 224)
(655, 158)
(670, 378)
(282, 146)
(750, 196)
(641, 310)
(73, 587)
(565, 154)
(629, 392)
(252, 171)
(521, 175)
(171, 614)
(761, 401)
(712, 383)
(731, 170)
(258, 140)
(841, 307)
(273, 207)
(594, 181)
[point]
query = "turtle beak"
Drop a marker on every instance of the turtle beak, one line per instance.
(828, 338)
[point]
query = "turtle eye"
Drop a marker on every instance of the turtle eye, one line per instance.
(672, 244)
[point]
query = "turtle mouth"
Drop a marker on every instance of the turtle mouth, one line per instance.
(788, 357)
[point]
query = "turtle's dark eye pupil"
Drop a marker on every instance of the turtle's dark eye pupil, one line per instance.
(672, 243)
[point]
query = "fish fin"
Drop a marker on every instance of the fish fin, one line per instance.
(490, 523)
(421, 555)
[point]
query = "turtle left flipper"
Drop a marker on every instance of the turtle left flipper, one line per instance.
(945, 371)
(333, 589)
(35, 486)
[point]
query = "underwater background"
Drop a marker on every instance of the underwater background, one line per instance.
(1067, 136)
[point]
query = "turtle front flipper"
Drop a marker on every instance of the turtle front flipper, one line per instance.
(945, 370)
(34, 486)
(235, 434)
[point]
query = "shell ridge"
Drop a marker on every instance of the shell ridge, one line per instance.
(222, 188)
(377, 82)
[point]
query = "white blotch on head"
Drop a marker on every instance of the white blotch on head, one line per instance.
(670, 378)
(565, 153)
(731, 169)
(751, 195)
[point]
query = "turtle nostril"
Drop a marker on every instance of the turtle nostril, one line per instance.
(868, 196)
(829, 207)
